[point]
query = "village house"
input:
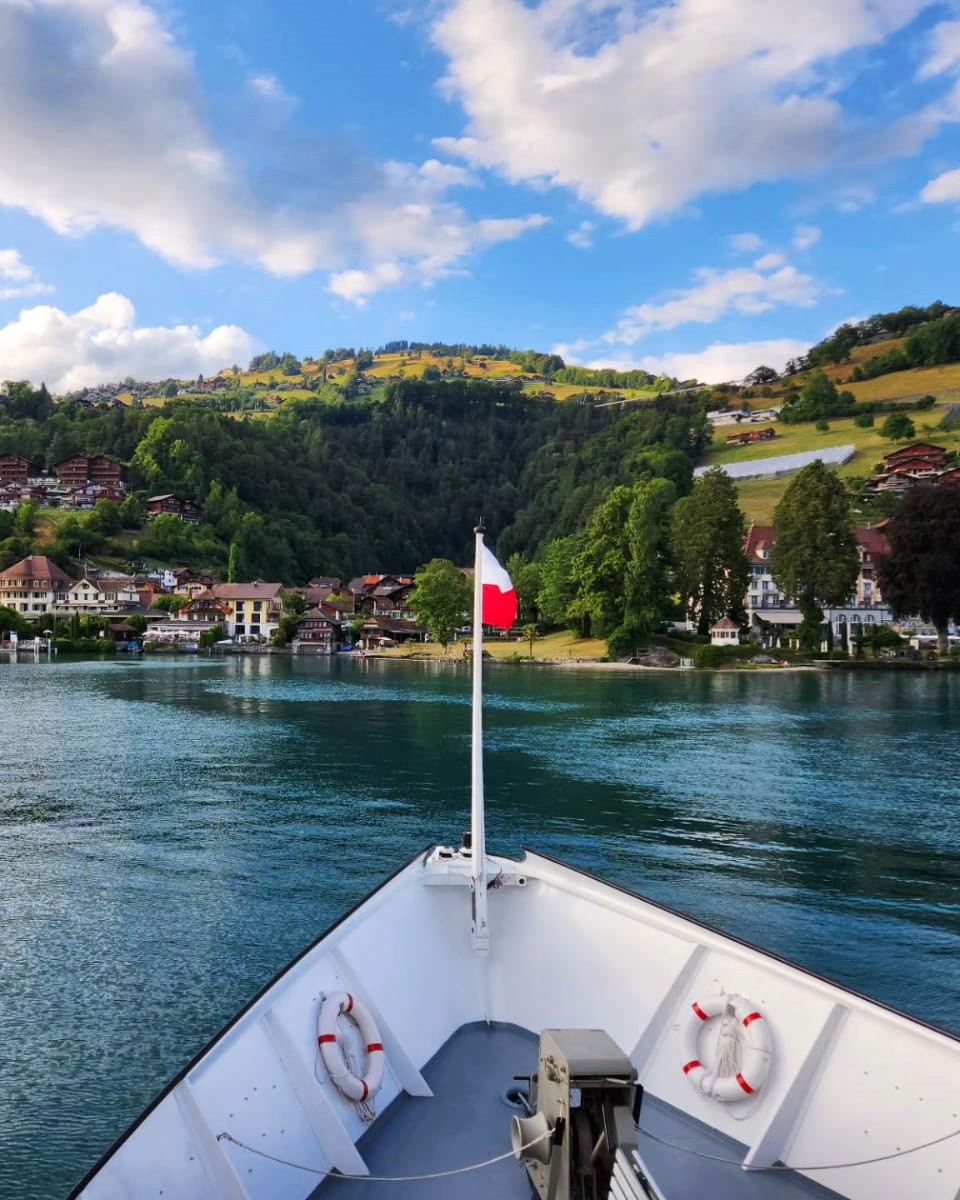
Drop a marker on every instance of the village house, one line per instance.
(746, 436)
(204, 607)
(320, 630)
(14, 469)
(14, 494)
(34, 587)
(79, 470)
(86, 497)
(171, 505)
(254, 609)
(382, 596)
(765, 603)
(920, 462)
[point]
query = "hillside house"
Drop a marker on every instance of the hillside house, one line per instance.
(171, 505)
(14, 469)
(747, 436)
(86, 497)
(80, 470)
(382, 596)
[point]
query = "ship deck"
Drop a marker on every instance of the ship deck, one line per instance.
(468, 1121)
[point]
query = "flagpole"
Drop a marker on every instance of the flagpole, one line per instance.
(481, 932)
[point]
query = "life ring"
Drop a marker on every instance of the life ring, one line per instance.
(352, 1086)
(742, 1021)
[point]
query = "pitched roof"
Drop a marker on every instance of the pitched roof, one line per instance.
(725, 623)
(36, 566)
(247, 591)
(759, 538)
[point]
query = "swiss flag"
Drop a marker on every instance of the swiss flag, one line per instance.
(499, 599)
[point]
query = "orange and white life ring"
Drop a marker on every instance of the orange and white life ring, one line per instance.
(744, 1030)
(352, 1086)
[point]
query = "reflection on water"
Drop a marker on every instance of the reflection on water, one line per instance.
(172, 832)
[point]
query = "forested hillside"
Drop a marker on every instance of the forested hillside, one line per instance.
(337, 486)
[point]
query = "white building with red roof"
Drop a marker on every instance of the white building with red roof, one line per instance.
(34, 587)
(765, 602)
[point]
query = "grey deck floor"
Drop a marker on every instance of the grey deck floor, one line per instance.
(466, 1121)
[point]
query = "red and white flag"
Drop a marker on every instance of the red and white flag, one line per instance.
(499, 598)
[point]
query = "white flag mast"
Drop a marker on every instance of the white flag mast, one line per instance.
(481, 930)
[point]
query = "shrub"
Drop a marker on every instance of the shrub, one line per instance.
(863, 420)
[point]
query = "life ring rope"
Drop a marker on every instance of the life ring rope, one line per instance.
(744, 1034)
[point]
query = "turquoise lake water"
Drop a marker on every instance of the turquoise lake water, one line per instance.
(171, 833)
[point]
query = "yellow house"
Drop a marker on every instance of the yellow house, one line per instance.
(255, 609)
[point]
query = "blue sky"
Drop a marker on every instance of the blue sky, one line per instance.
(696, 186)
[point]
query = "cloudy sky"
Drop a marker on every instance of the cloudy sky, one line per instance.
(694, 186)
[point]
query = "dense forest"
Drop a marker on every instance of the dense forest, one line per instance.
(346, 486)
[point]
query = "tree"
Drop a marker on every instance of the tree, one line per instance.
(558, 582)
(712, 572)
(921, 573)
(170, 603)
(440, 599)
(762, 375)
(649, 589)
(525, 577)
(530, 633)
(601, 566)
(897, 426)
(815, 557)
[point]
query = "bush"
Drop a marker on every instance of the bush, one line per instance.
(626, 639)
(863, 420)
(823, 427)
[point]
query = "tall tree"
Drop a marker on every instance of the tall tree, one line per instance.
(558, 582)
(921, 574)
(441, 599)
(814, 558)
(601, 565)
(712, 572)
(649, 588)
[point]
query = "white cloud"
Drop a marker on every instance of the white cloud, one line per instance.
(944, 51)
(13, 267)
(20, 277)
(945, 189)
(103, 342)
(805, 236)
(709, 95)
(717, 363)
(768, 261)
(747, 242)
(582, 236)
(103, 126)
(747, 290)
(433, 251)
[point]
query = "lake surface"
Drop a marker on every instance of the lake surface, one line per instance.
(172, 832)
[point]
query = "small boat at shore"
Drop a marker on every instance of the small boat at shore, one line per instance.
(481, 1026)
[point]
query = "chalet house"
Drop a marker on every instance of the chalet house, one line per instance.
(34, 587)
(920, 455)
(253, 609)
(14, 469)
(205, 607)
(14, 494)
(382, 596)
(765, 602)
(171, 505)
(382, 632)
(86, 497)
(79, 471)
(320, 631)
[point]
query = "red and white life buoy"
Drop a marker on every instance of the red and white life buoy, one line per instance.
(353, 1086)
(743, 1048)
